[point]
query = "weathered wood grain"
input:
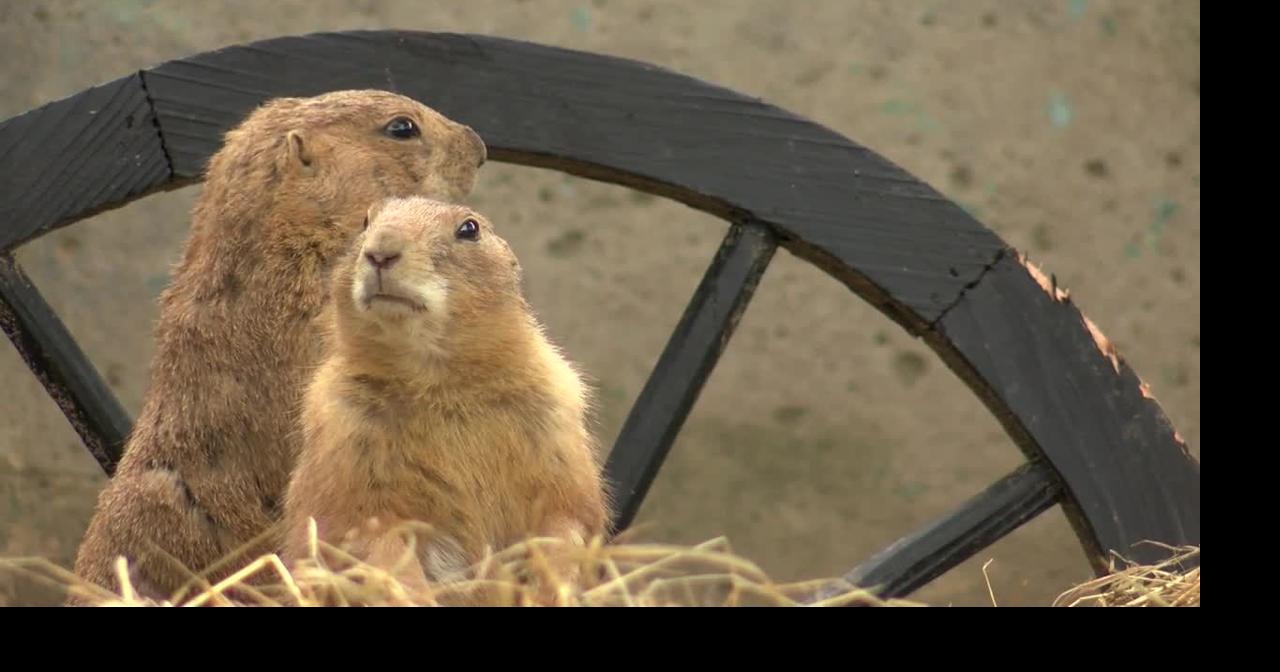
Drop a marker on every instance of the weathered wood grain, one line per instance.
(1129, 478)
(61, 162)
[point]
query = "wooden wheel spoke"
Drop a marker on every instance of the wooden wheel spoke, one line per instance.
(690, 355)
(66, 373)
(919, 558)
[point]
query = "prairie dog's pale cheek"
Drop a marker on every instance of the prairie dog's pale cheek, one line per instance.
(357, 294)
(363, 285)
(434, 293)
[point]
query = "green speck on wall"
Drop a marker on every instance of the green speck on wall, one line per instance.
(581, 18)
(128, 11)
(910, 490)
(1165, 210)
(1060, 112)
(898, 108)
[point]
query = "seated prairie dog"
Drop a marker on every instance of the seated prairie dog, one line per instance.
(440, 400)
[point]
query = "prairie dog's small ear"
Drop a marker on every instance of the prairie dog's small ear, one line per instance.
(300, 155)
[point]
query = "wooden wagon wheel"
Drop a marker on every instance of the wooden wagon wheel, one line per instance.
(1094, 440)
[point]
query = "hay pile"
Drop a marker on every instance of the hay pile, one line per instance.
(551, 572)
(537, 572)
(1160, 585)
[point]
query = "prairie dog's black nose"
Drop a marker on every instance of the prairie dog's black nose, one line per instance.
(382, 260)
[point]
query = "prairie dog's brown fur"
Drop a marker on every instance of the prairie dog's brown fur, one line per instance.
(441, 401)
(207, 465)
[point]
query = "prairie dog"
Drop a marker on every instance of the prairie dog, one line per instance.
(440, 400)
(206, 467)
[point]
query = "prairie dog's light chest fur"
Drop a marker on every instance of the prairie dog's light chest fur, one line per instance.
(441, 399)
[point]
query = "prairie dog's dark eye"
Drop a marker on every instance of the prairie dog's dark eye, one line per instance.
(469, 230)
(366, 223)
(403, 128)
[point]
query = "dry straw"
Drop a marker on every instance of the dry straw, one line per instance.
(1165, 584)
(536, 572)
(552, 572)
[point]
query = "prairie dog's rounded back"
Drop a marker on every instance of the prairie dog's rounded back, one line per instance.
(440, 399)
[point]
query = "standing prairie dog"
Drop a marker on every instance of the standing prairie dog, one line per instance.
(440, 401)
(206, 467)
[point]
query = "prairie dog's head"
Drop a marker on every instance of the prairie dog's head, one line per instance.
(421, 266)
(336, 153)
